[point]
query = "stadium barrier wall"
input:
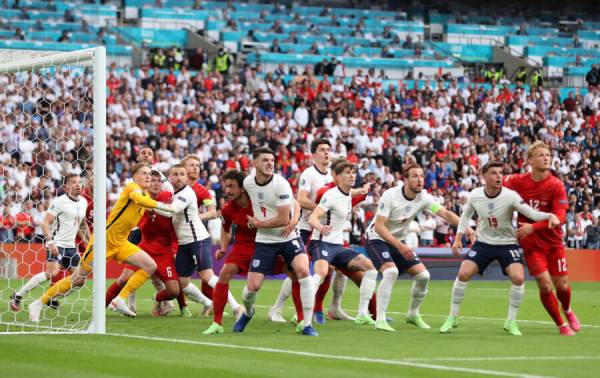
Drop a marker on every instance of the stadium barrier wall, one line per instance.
(584, 264)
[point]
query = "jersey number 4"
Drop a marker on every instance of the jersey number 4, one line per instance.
(493, 222)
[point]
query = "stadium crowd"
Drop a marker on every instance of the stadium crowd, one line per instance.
(450, 130)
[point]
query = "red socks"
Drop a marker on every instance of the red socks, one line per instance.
(551, 304)
(322, 292)
(564, 296)
(297, 300)
(219, 301)
(181, 300)
(112, 292)
(373, 306)
(207, 290)
(163, 296)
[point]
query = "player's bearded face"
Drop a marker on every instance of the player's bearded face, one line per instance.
(146, 156)
(178, 178)
(416, 180)
(232, 190)
(74, 187)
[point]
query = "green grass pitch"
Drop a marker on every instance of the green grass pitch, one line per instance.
(172, 346)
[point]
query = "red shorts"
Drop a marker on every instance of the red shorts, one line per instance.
(552, 260)
(165, 268)
(241, 256)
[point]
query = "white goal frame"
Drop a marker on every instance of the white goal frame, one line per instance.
(97, 58)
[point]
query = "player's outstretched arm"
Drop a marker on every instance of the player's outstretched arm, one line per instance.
(210, 213)
(532, 213)
(315, 220)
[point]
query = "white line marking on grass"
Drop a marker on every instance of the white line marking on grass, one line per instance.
(507, 358)
(536, 290)
(335, 357)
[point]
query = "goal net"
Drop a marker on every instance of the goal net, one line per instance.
(52, 124)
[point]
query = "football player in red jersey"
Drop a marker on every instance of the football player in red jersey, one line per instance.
(543, 247)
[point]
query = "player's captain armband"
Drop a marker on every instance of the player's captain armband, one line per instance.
(165, 207)
(207, 202)
(435, 207)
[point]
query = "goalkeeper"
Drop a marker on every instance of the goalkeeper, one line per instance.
(124, 216)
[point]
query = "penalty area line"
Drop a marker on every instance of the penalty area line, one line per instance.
(407, 363)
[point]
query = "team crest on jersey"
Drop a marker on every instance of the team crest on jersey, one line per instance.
(472, 253)
(407, 209)
(261, 196)
(491, 206)
(255, 263)
(381, 205)
(324, 253)
(385, 255)
(303, 181)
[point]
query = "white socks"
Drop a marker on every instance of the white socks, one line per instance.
(191, 291)
(338, 287)
(458, 294)
(367, 287)
(248, 297)
(515, 298)
(384, 292)
(307, 296)
(284, 294)
(318, 280)
(230, 299)
(33, 282)
(418, 292)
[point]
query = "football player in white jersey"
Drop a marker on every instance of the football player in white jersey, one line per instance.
(193, 252)
(496, 240)
(63, 220)
(397, 208)
(272, 204)
(313, 178)
(327, 240)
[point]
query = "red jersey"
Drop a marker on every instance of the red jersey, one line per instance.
(89, 212)
(158, 235)
(202, 195)
(355, 200)
(549, 196)
(235, 220)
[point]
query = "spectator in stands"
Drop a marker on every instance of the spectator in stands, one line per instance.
(275, 48)
(69, 16)
(159, 59)
(20, 34)
(522, 30)
(321, 67)
(408, 44)
(39, 26)
(65, 36)
(197, 59)
(593, 76)
(592, 232)
(25, 227)
(427, 227)
(7, 225)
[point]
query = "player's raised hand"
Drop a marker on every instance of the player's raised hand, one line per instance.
(457, 246)
(325, 229)
(220, 254)
(407, 252)
(553, 221)
(524, 230)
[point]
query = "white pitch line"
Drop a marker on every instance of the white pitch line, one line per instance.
(532, 290)
(506, 358)
(335, 357)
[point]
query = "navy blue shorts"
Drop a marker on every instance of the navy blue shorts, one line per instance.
(67, 257)
(305, 235)
(135, 236)
(193, 257)
(265, 255)
(381, 252)
(335, 254)
(484, 254)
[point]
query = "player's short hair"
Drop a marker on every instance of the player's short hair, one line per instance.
(139, 166)
(409, 167)
(536, 146)
(337, 161)
(155, 173)
(234, 174)
(317, 142)
(262, 150)
(68, 177)
(340, 168)
(491, 164)
(176, 166)
(190, 157)
(144, 146)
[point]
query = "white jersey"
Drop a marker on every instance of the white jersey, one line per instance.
(311, 180)
(68, 215)
(265, 200)
(338, 208)
(495, 225)
(400, 211)
(186, 220)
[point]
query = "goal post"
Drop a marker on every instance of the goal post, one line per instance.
(18, 67)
